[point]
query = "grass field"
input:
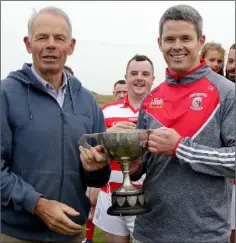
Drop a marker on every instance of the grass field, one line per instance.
(98, 235)
(103, 99)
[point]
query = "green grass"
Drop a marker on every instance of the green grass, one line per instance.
(98, 235)
(103, 99)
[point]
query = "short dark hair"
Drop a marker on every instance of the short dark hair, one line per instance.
(185, 13)
(69, 70)
(140, 58)
(232, 47)
(121, 81)
(226, 73)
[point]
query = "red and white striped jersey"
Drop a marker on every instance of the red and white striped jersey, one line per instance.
(116, 112)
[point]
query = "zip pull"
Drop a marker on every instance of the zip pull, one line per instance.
(63, 115)
(49, 240)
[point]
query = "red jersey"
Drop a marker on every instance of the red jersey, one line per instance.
(114, 112)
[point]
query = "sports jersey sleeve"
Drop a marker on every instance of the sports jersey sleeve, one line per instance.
(208, 160)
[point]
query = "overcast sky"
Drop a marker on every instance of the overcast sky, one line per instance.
(108, 34)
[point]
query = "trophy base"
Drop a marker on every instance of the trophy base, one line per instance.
(128, 203)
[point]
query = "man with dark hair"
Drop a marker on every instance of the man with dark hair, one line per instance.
(119, 82)
(140, 58)
(120, 89)
(230, 66)
(69, 70)
(191, 149)
(123, 114)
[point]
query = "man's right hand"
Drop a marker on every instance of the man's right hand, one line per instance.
(54, 214)
(122, 125)
(135, 166)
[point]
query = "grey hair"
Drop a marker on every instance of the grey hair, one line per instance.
(51, 10)
(185, 13)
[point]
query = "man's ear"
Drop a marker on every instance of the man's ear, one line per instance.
(27, 44)
(72, 46)
(159, 44)
(202, 41)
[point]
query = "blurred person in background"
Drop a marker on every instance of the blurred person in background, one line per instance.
(122, 114)
(120, 90)
(230, 66)
(214, 55)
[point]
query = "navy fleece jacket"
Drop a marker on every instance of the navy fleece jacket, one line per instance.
(39, 152)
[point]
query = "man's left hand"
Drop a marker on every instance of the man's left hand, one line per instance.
(93, 159)
(163, 141)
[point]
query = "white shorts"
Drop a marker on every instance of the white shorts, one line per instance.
(116, 225)
(87, 191)
(233, 209)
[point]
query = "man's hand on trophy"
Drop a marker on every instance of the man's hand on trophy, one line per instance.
(134, 167)
(163, 141)
(93, 158)
(122, 125)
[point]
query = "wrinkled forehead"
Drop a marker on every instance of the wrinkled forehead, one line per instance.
(47, 23)
(140, 66)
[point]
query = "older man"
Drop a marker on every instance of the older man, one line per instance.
(44, 113)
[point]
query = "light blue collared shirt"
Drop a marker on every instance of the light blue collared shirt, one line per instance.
(59, 97)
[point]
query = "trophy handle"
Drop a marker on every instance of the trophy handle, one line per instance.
(83, 140)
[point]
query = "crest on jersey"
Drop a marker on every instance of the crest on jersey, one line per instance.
(197, 100)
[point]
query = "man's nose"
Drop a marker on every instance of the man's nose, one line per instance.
(140, 76)
(122, 94)
(178, 45)
(51, 43)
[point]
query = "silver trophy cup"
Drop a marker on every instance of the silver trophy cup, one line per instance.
(124, 146)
